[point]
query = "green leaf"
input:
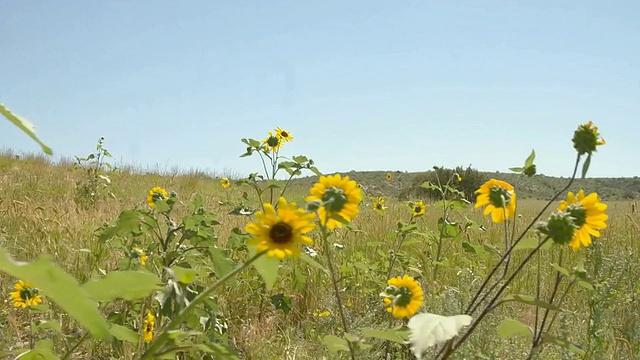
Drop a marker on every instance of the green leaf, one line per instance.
(393, 335)
(220, 351)
(124, 334)
(532, 243)
(448, 229)
(562, 343)
(530, 159)
(429, 185)
(561, 270)
(128, 285)
(281, 302)
(161, 206)
(585, 166)
(509, 328)
(530, 300)
(221, 263)
(47, 325)
(266, 266)
(25, 126)
(309, 260)
(273, 184)
(300, 159)
(184, 275)
(516, 169)
(335, 344)
(315, 171)
(59, 287)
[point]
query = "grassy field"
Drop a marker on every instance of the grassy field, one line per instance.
(41, 214)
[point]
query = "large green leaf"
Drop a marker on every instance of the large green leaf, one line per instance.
(266, 266)
(128, 285)
(394, 335)
(335, 344)
(530, 300)
(509, 328)
(25, 126)
(124, 334)
(221, 262)
(548, 338)
(60, 287)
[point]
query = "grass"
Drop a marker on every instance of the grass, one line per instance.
(39, 217)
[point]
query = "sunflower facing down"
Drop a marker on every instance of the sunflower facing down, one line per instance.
(403, 297)
(25, 295)
(280, 231)
(497, 195)
(338, 196)
(272, 142)
(588, 214)
(155, 194)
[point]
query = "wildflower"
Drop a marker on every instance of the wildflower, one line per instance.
(458, 177)
(283, 135)
(321, 313)
(280, 231)
(418, 208)
(140, 255)
(559, 228)
(149, 326)
(379, 204)
(388, 176)
(25, 295)
(586, 138)
(225, 182)
(339, 196)
(403, 297)
(500, 199)
(155, 194)
(272, 142)
(588, 216)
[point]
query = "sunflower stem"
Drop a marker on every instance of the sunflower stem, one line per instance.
(77, 345)
(176, 321)
(553, 295)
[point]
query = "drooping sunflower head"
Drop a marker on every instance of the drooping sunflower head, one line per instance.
(25, 295)
(418, 208)
(279, 232)
(403, 297)
(388, 176)
(225, 182)
(283, 135)
(140, 254)
(499, 198)
(148, 327)
(155, 194)
(272, 142)
(588, 215)
(586, 138)
(339, 197)
(378, 204)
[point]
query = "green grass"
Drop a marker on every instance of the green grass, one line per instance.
(38, 217)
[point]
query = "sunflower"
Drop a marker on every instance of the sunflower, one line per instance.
(225, 182)
(155, 194)
(588, 214)
(272, 142)
(338, 196)
(283, 135)
(388, 176)
(379, 204)
(280, 231)
(586, 138)
(148, 327)
(25, 295)
(403, 297)
(418, 208)
(140, 255)
(497, 195)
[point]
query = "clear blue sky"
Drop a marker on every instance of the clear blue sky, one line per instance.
(363, 85)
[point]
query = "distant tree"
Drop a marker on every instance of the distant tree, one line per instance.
(470, 180)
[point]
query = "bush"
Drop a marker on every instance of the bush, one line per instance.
(471, 180)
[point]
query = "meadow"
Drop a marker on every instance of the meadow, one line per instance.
(563, 303)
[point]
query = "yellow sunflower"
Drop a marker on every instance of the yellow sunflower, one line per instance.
(403, 297)
(283, 135)
(418, 208)
(588, 214)
(141, 255)
(272, 142)
(155, 194)
(338, 196)
(497, 195)
(225, 182)
(379, 204)
(148, 327)
(25, 295)
(388, 176)
(279, 232)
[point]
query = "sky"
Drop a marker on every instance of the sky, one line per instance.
(361, 85)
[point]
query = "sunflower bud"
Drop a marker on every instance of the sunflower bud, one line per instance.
(313, 206)
(586, 138)
(560, 227)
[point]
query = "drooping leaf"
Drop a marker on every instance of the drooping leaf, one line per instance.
(25, 126)
(516, 169)
(509, 328)
(266, 266)
(532, 243)
(548, 338)
(560, 269)
(585, 166)
(124, 334)
(530, 300)
(128, 285)
(59, 287)
(335, 344)
(397, 336)
(309, 260)
(184, 275)
(221, 262)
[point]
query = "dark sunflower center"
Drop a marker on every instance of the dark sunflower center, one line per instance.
(334, 199)
(273, 141)
(281, 233)
(157, 196)
(578, 213)
(417, 209)
(499, 196)
(148, 327)
(284, 134)
(379, 206)
(28, 293)
(403, 297)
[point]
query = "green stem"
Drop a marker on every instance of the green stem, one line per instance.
(82, 340)
(177, 320)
